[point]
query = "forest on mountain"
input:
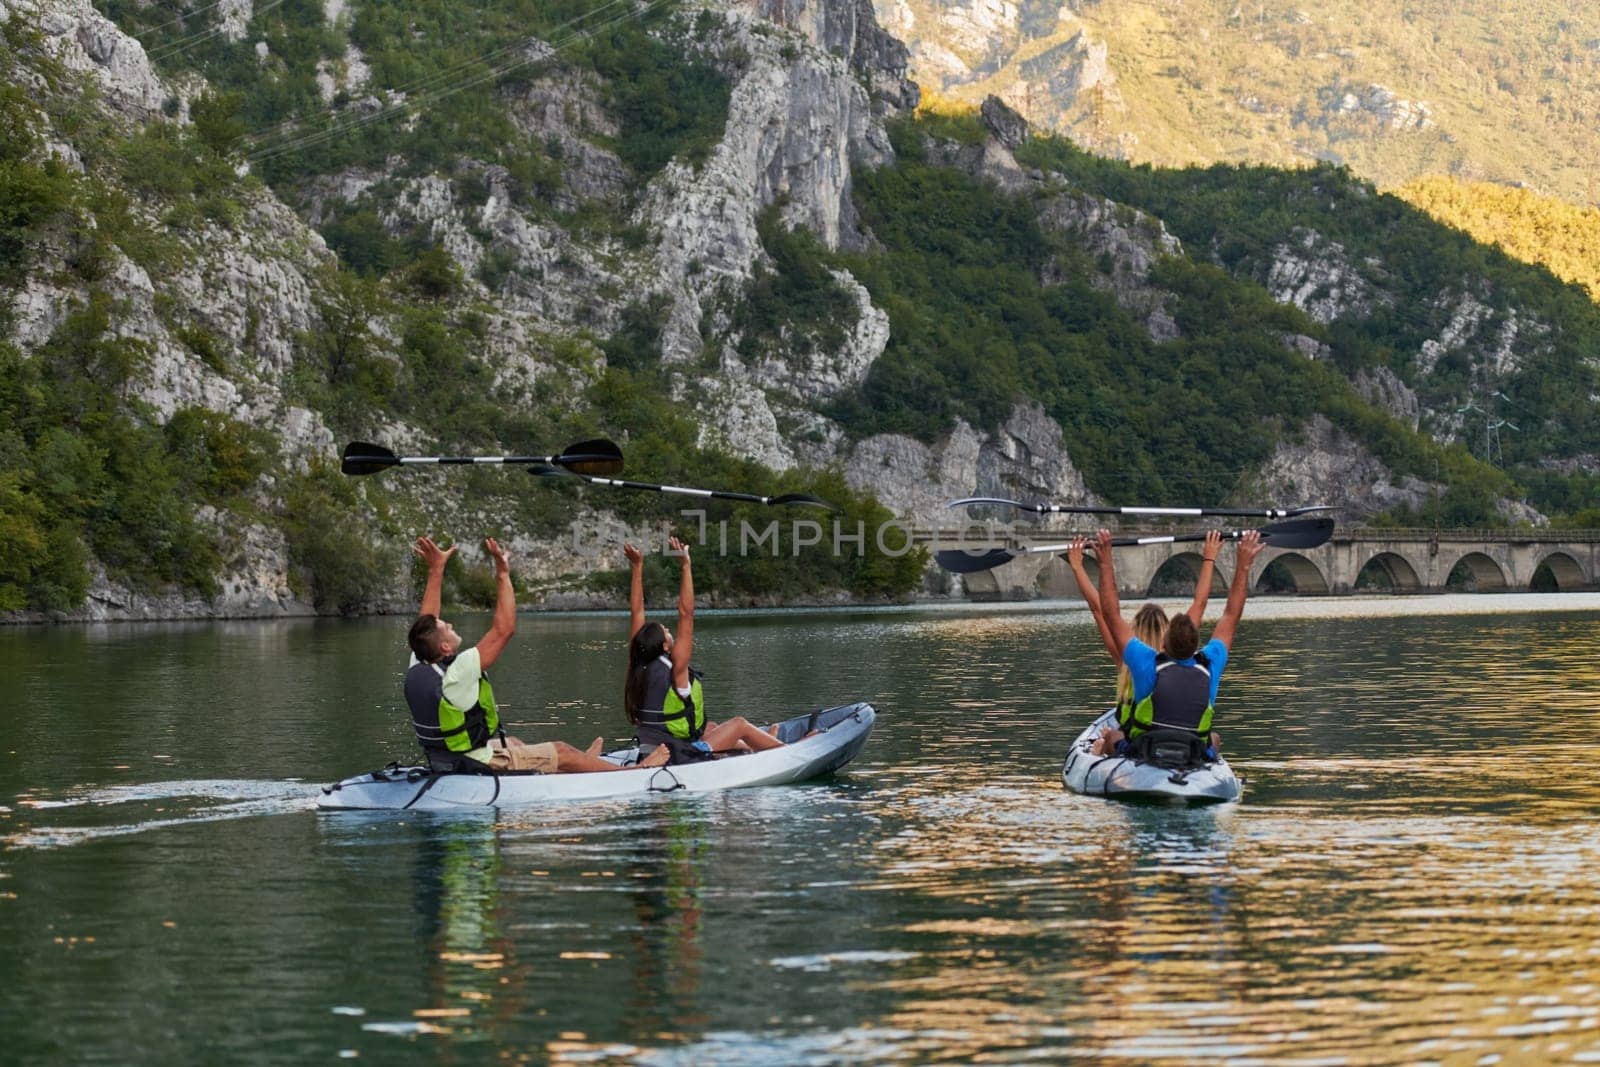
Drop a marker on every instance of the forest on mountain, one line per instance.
(1532, 228)
(986, 307)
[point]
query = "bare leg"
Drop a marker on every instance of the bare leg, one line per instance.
(595, 746)
(571, 760)
(728, 734)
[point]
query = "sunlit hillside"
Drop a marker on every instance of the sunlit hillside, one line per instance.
(1533, 228)
(1505, 91)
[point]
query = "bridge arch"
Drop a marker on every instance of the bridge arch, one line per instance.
(1291, 569)
(1477, 573)
(1178, 574)
(1389, 570)
(1055, 579)
(1566, 573)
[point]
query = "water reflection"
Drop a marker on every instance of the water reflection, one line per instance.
(1409, 877)
(665, 996)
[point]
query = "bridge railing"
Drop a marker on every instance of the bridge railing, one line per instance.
(979, 534)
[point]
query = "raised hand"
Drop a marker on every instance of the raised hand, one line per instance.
(1213, 546)
(1075, 552)
(635, 557)
(677, 548)
(1250, 547)
(1102, 544)
(502, 562)
(434, 556)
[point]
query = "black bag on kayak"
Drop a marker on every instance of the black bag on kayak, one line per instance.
(1173, 750)
(684, 751)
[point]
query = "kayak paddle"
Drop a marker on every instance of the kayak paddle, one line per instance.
(798, 499)
(1296, 533)
(1089, 509)
(586, 457)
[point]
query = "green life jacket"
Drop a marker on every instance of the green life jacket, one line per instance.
(666, 712)
(441, 726)
(1180, 699)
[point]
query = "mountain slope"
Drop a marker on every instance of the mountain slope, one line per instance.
(1503, 92)
(713, 234)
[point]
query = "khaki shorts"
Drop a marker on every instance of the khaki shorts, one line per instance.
(516, 756)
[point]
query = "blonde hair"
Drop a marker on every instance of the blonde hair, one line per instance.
(1149, 626)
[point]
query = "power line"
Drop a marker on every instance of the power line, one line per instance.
(164, 52)
(440, 76)
(430, 99)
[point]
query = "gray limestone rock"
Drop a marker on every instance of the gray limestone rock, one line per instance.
(1326, 466)
(1383, 389)
(1025, 459)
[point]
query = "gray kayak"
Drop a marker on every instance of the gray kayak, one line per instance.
(841, 733)
(1126, 779)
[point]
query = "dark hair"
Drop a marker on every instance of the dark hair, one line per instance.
(646, 646)
(1183, 638)
(424, 638)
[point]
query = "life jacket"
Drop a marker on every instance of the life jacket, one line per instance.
(1180, 699)
(667, 715)
(443, 728)
(1125, 713)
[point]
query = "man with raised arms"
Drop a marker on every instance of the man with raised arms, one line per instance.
(452, 704)
(1175, 687)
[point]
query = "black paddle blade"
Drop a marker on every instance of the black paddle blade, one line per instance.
(544, 471)
(363, 458)
(960, 561)
(598, 457)
(1298, 533)
(803, 500)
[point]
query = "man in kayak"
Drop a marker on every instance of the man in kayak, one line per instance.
(1175, 688)
(452, 704)
(1149, 625)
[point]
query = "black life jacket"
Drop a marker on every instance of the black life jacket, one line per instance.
(442, 728)
(666, 715)
(1180, 700)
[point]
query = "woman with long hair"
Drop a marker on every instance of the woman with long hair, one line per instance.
(662, 694)
(1149, 626)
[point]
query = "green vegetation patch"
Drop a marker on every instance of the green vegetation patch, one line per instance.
(1240, 216)
(974, 330)
(83, 470)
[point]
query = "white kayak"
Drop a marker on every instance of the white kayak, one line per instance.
(842, 731)
(1127, 779)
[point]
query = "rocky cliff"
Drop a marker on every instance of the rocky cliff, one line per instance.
(466, 297)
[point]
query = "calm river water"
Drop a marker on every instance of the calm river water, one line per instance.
(1410, 877)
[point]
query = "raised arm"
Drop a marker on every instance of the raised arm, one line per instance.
(683, 642)
(505, 607)
(635, 589)
(1110, 606)
(1090, 595)
(1208, 566)
(1249, 548)
(435, 557)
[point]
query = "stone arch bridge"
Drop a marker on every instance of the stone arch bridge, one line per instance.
(1393, 560)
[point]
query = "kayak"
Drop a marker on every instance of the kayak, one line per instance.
(1127, 779)
(842, 732)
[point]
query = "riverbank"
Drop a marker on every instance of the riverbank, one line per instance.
(1260, 607)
